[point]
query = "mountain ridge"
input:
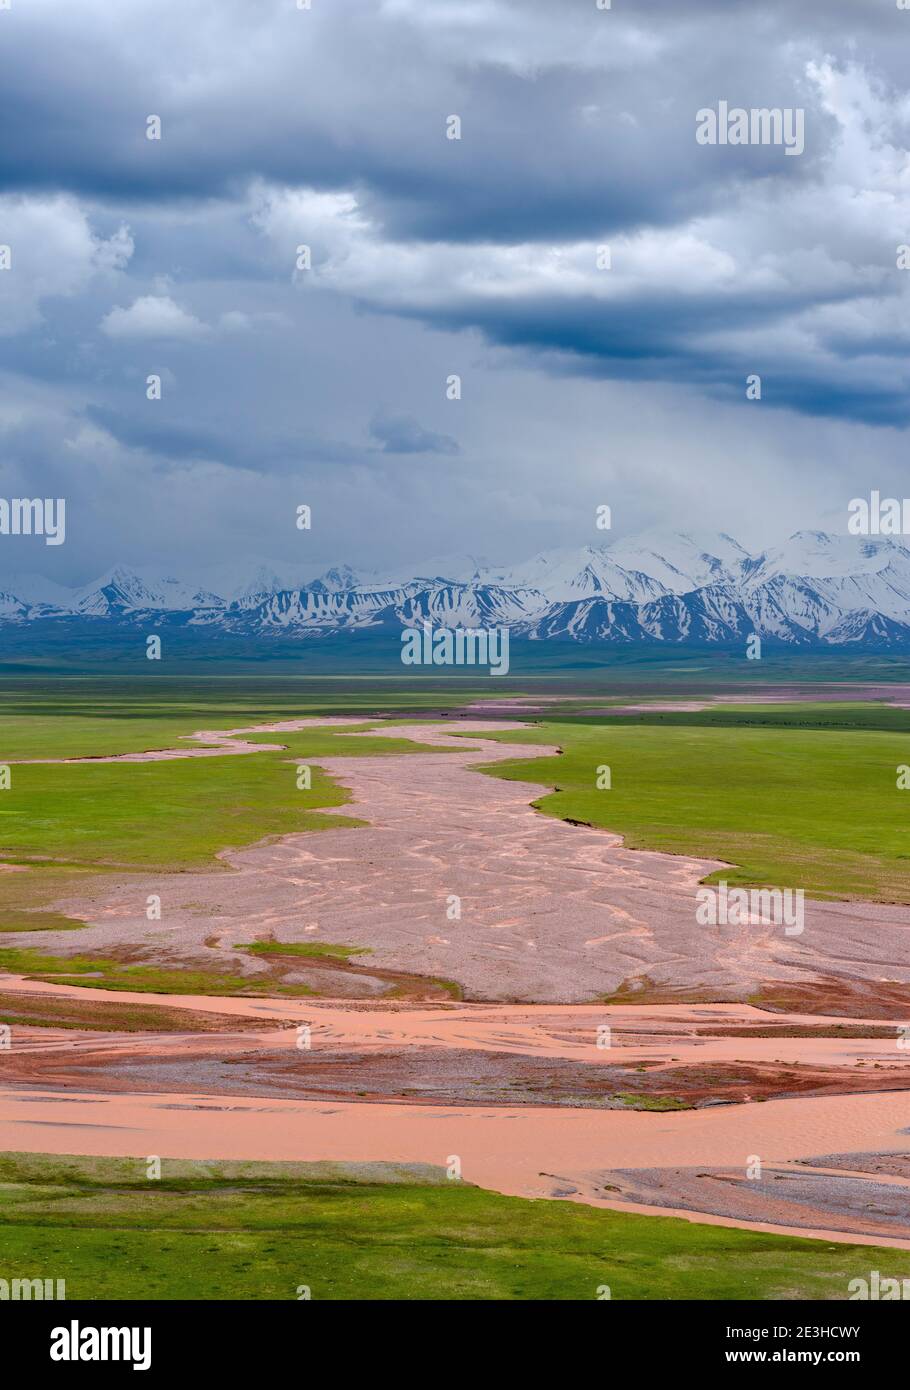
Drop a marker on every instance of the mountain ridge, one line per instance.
(677, 588)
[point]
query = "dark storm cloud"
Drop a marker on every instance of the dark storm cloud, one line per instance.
(569, 126)
(431, 256)
(182, 443)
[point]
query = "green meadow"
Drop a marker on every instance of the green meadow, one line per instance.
(60, 822)
(376, 1231)
(72, 718)
(803, 796)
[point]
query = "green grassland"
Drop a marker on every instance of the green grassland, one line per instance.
(310, 950)
(804, 797)
(174, 815)
(374, 1231)
(84, 718)
(62, 821)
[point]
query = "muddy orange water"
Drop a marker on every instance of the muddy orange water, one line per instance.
(525, 1152)
(656, 1033)
(689, 1162)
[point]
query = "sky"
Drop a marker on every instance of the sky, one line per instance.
(479, 257)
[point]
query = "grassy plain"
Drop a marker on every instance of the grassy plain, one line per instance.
(804, 796)
(62, 821)
(257, 1231)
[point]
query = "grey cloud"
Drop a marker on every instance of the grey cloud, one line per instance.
(472, 256)
(402, 434)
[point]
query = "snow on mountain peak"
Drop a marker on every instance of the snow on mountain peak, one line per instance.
(670, 587)
(680, 560)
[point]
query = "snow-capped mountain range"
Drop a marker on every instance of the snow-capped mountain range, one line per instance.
(815, 589)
